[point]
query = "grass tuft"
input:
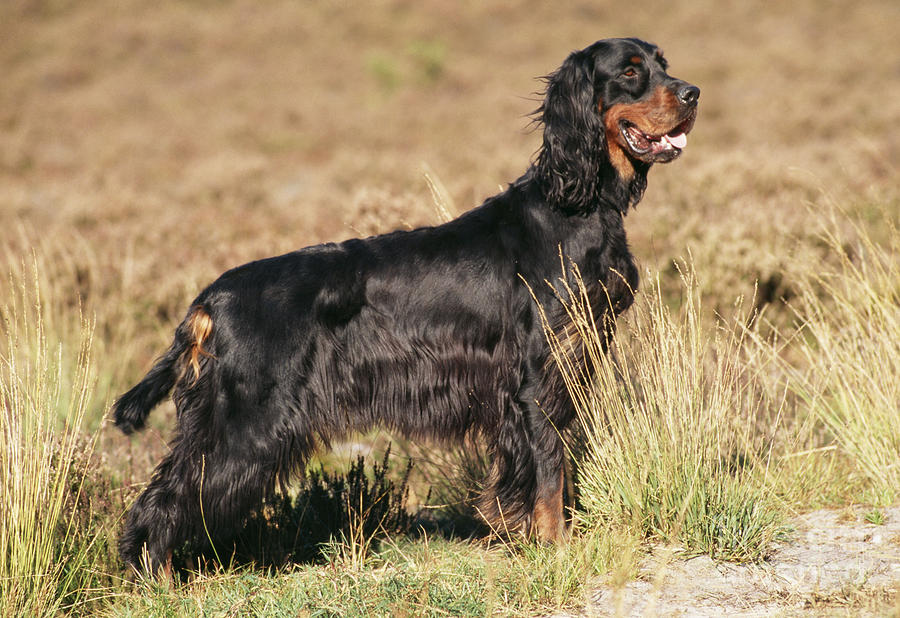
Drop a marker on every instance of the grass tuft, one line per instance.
(673, 419)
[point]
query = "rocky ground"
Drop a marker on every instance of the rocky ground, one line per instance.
(834, 563)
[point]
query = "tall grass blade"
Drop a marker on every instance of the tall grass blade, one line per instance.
(44, 392)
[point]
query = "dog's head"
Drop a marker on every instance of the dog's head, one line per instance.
(609, 113)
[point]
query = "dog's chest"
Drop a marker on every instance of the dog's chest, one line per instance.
(606, 266)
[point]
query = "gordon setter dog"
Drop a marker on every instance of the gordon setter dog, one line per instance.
(432, 333)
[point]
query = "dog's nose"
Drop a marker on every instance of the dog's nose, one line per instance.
(688, 94)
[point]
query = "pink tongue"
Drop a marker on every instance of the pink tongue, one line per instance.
(679, 141)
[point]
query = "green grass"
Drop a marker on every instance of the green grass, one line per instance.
(875, 516)
(422, 576)
(339, 515)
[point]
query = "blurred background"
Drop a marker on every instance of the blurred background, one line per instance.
(145, 147)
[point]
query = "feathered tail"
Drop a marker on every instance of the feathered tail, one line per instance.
(131, 410)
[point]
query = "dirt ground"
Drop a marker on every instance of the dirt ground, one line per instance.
(834, 563)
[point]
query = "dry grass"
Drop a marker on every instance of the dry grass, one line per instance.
(848, 342)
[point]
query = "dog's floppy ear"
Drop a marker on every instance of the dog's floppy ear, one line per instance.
(569, 162)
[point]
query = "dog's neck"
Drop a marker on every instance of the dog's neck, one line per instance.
(610, 191)
(620, 193)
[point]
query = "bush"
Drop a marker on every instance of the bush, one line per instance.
(333, 516)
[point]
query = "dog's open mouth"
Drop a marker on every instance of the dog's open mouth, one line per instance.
(662, 147)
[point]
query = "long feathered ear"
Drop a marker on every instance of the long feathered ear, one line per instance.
(570, 160)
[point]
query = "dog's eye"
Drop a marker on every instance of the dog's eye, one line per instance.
(629, 72)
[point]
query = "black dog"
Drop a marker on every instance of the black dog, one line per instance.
(432, 333)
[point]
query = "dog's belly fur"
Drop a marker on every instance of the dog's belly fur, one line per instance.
(420, 387)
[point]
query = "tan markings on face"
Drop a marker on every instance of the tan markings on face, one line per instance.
(654, 116)
(635, 60)
(620, 161)
(617, 156)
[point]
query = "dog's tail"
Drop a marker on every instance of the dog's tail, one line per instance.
(131, 409)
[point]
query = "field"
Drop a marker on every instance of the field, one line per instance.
(145, 147)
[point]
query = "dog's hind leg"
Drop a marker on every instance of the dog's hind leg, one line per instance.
(153, 526)
(195, 495)
(223, 463)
